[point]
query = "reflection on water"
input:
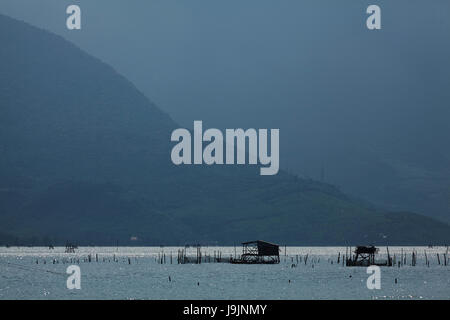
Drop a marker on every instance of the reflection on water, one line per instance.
(136, 273)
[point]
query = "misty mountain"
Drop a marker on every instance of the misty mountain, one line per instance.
(85, 157)
(364, 110)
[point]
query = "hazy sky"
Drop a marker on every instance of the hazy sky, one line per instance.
(223, 61)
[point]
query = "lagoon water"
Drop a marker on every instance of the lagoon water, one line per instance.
(143, 277)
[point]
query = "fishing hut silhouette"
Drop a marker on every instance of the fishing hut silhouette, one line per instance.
(258, 252)
(365, 256)
(70, 248)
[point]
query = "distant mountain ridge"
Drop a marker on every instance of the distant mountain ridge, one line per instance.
(85, 157)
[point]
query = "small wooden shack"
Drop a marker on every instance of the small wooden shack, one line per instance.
(70, 248)
(259, 252)
(365, 256)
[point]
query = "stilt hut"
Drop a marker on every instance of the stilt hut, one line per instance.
(258, 252)
(365, 256)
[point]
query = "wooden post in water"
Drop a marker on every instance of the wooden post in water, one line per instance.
(389, 257)
(446, 255)
(350, 253)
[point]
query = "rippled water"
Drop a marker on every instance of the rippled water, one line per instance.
(137, 274)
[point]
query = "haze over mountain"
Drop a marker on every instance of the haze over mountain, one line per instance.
(363, 110)
(85, 156)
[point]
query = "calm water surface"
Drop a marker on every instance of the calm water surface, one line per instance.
(29, 273)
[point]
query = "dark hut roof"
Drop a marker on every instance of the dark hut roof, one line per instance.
(366, 249)
(260, 242)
